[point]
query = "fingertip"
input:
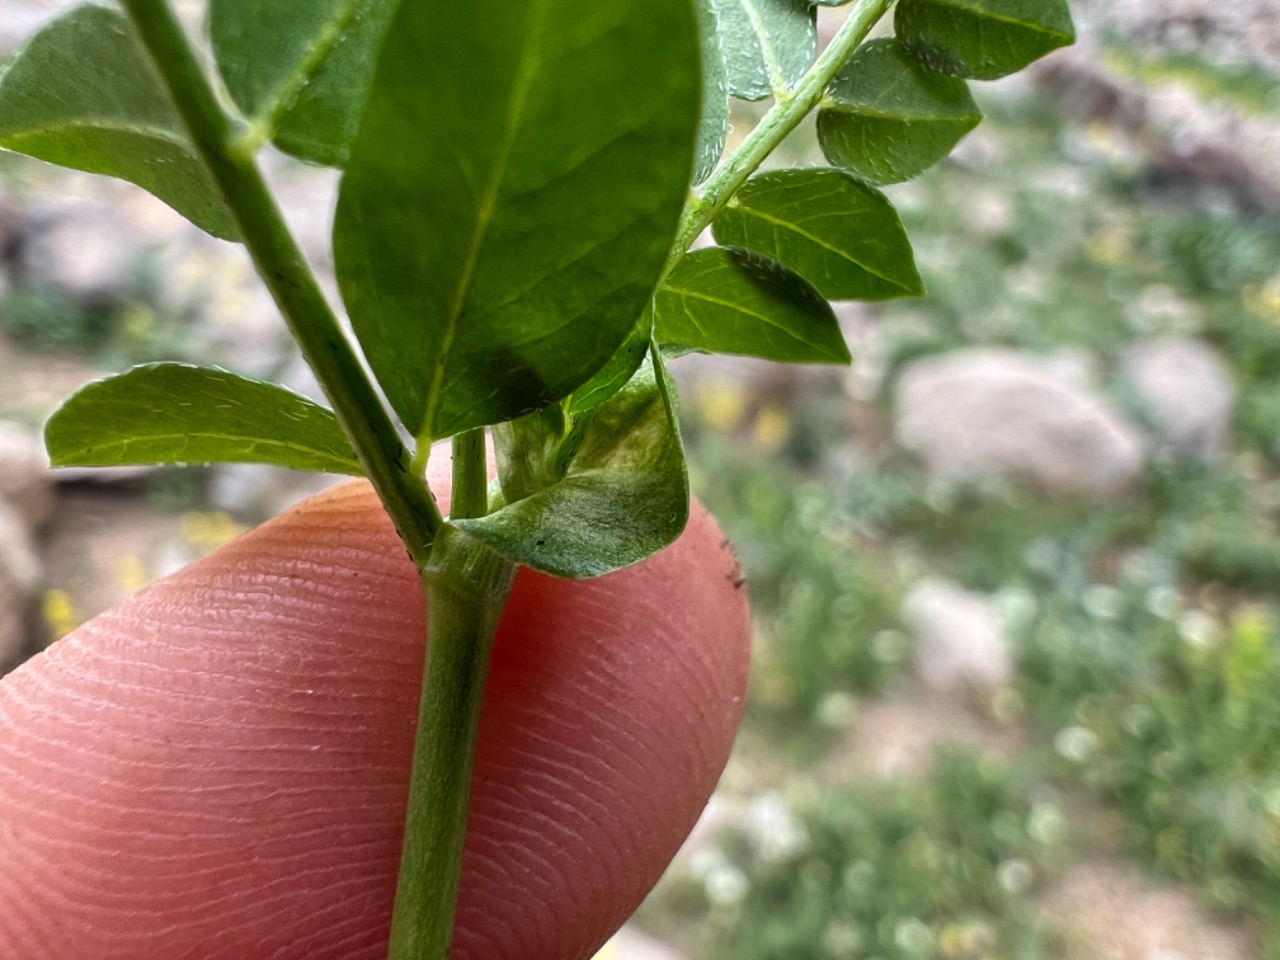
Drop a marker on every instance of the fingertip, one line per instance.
(218, 767)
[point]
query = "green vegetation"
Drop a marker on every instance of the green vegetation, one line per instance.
(1146, 632)
(948, 867)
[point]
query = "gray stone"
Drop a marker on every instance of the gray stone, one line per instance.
(630, 944)
(255, 491)
(987, 413)
(19, 19)
(77, 248)
(1186, 392)
(231, 317)
(23, 17)
(20, 574)
(308, 198)
(959, 635)
(26, 483)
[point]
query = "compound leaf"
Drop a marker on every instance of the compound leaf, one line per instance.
(841, 235)
(498, 237)
(889, 118)
(176, 413)
(727, 300)
(83, 94)
(982, 39)
(624, 496)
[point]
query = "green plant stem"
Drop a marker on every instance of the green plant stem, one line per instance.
(285, 270)
(466, 587)
(470, 489)
(784, 117)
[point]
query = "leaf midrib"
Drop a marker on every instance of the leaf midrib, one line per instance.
(93, 123)
(124, 444)
(521, 85)
(1000, 18)
(795, 228)
(291, 85)
(738, 308)
(777, 79)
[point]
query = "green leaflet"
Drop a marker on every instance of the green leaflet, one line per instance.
(83, 94)
(175, 413)
(726, 300)
(623, 497)
(498, 235)
(713, 127)
(300, 68)
(768, 44)
(887, 118)
(841, 235)
(982, 39)
(615, 374)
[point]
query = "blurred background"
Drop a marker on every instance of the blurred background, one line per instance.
(1017, 686)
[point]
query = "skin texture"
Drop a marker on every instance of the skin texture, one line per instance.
(217, 768)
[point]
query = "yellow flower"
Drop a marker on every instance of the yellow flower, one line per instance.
(772, 427)
(132, 573)
(721, 402)
(1108, 246)
(138, 321)
(208, 531)
(1263, 301)
(59, 612)
(1249, 661)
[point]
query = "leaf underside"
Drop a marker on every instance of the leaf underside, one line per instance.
(713, 127)
(888, 118)
(504, 249)
(83, 94)
(625, 495)
(176, 413)
(617, 373)
(767, 44)
(302, 68)
(728, 300)
(841, 235)
(982, 39)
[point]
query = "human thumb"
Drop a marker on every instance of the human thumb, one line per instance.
(218, 767)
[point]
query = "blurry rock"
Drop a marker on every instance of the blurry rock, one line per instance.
(993, 413)
(631, 944)
(79, 249)
(20, 573)
(23, 17)
(308, 197)
(959, 637)
(297, 376)
(1211, 176)
(864, 332)
(231, 318)
(1077, 84)
(104, 475)
(1186, 391)
(26, 482)
(255, 491)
